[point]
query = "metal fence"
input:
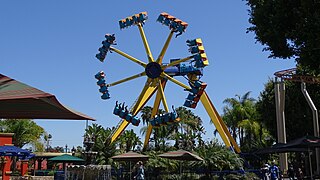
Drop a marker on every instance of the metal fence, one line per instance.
(90, 172)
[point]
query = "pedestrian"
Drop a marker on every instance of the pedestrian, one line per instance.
(291, 172)
(140, 172)
(265, 171)
(274, 171)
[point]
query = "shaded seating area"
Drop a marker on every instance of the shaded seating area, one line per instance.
(129, 157)
(21, 101)
(306, 144)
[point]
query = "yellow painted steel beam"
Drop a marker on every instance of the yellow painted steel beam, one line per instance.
(224, 126)
(214, 118)
(145, 43)
(177, 62)
(165, 75)
(165, 47)
(120, 129)
(145, 95)
(129, 57)
(153, 113)
(163, 98)
(126, 79)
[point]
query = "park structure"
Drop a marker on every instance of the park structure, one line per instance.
(158, 74)
(293, 75)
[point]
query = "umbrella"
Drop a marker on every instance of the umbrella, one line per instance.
(21, 101)
(181, 155)
(131, 157)
(66, 158)
(15, 151)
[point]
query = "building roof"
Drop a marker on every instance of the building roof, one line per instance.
(21, 101)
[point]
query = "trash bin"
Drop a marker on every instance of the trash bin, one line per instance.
(59, 175)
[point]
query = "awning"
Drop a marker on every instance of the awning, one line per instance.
(21, 101)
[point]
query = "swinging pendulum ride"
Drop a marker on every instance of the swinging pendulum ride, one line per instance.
(158, 73)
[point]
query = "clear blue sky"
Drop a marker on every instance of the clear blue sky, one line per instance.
(51, 45)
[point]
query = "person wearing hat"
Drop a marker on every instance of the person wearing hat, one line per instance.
(140, 173)
(265, 172)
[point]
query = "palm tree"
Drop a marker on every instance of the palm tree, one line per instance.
(216, 158)
(102, 143)
(188, 130)
(185, 133)
(129, 140)
(240, 109)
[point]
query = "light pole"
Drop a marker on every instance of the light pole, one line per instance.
(88, 143)
(73, 151)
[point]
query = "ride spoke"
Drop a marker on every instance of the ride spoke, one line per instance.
(177, 62)
(145, 43)
(165, 75)
(153, 113)
(144, 97)
(129, 57)
(165, 47)
(163, 98)
(127, 79)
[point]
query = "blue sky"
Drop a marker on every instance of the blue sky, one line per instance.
(51, 45)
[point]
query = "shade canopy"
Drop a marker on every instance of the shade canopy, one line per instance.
(15, 151)
(181, 155)
(130, 156)
(279, 148)
(304, 142)
(297, 145)
(66, 158)
(21, 101)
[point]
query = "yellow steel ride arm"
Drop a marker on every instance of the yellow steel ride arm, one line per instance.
(218, 122)
(144, 97)
(213, 114)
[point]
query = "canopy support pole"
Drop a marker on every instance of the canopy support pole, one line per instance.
(315, 122)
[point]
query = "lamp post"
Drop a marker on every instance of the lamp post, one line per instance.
(73, 151)
(88, 143)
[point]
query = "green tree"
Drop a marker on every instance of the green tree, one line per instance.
(216, 158)
(25, 131)
(130, 139)
(186, 133)
(237, 110)
(102, 143)
(288, 29)
(298, 114)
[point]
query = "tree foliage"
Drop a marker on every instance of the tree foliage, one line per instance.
(186, 133)
(102, 144)
(298, 114)
(25, 131)
(241, 117)
(289, 29)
